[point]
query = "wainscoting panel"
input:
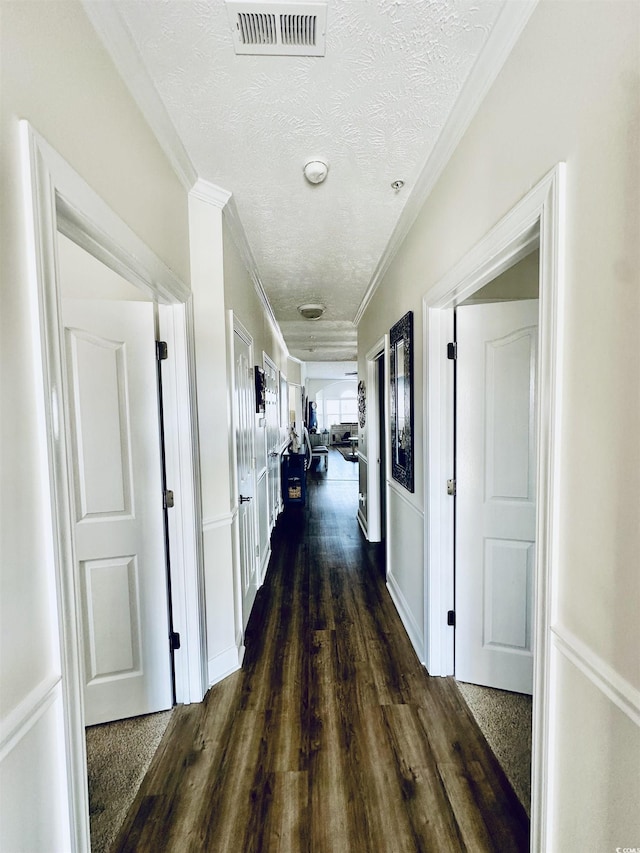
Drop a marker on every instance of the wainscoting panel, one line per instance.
(405, 564)
(220, 597)
(593, 705)
(263, 524)
(363, 502)
(34, 805)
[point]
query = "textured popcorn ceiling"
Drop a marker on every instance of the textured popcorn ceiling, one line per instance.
(372, 108)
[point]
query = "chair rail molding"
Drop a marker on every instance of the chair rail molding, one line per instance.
(25, 715)
(602, 675)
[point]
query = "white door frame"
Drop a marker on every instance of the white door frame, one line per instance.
(234, 327)
(376, 479)
(274, 511)
(58, 199)
(538, 217)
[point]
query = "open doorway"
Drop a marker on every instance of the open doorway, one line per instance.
(120, 532)
(536, 220)
(496, 332)
(60, 201)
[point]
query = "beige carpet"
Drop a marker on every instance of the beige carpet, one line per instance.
(505, 720)
(118, 756)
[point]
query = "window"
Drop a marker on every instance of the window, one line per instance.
(337, 404)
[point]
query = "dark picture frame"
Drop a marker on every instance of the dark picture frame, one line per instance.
(401, 403)
(261, 390)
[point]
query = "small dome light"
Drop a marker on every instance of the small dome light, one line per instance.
(311, 310)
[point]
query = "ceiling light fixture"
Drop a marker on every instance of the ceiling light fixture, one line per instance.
(311, 310)
(315, 171)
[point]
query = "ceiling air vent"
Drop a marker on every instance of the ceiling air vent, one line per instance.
(278, 29)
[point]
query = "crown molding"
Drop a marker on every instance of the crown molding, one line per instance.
(210, 193)
(223, 199)
(118, 41)
(504, 35)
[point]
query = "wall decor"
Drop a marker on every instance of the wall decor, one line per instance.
(313, 416)
(261, 389)
(401, 408)
(362, 404)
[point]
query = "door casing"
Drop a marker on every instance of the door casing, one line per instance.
(376, 475)
(59, 199)
(237, 329)
(538, 219)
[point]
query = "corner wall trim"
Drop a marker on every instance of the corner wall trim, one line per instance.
(223, 199)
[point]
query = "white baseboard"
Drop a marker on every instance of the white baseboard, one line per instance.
(265, 563)
(224, 663)
(411, 626)
(362, 521)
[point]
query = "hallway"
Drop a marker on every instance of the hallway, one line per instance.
(332, 737)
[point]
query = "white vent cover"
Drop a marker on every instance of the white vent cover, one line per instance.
(278, 29)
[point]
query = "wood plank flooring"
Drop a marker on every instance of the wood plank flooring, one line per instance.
(332, 738)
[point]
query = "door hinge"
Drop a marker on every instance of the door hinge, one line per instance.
(451, 487)
(451, 618)
(257, 550)
(167, 499)
(174, 641)
(452, 351)
(162, 350)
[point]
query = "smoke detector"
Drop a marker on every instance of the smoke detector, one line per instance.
(311, 310)
(315, 171)
(278, 29)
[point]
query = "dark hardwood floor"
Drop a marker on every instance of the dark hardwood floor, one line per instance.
(332, 737)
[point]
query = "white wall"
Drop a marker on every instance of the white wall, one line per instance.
(55, 74)
(568, 92)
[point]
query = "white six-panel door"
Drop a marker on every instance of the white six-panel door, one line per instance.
(244, 416)
(496, 488)
(272, 413)
(117, 488)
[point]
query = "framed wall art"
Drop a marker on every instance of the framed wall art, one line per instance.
(362, 404)
(261, 389)
(401, 403)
